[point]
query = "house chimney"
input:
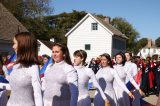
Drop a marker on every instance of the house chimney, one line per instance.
(52, 40)
(107, 19)
(149, 45)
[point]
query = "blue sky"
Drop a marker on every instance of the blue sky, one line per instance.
(144, 15)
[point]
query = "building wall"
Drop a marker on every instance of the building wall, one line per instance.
(5, 47)
(145, 52)
(100, 40)
(43, 49)
(119, 45)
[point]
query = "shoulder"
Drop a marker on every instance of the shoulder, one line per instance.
(16, 66)
(89, 70)
(68, 68)
(112, 70)
(114, 66)
(133, 64)
(34, 69)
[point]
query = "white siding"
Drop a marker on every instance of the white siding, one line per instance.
(144, 52)
(100, 39)
(43, 49)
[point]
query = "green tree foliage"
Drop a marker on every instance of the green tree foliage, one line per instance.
(140, 44)
(157, 41)
(27, 8)
(30, 13)
(127, 29)
(60, 24)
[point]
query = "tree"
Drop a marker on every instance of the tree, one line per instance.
(140, 44)
(127, 29)
(27, 8)
(60, 24)
(30, 13)
(157, 41)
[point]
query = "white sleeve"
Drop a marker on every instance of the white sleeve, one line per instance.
(135, 69)
(132, 80)
(5, 70)
(72, 79)
(119, 81)
(43, 78)
(43, 83)
(36, 83)
(5, 86)
(95, 82)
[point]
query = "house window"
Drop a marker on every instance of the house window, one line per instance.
(87, 47)
(94, 26)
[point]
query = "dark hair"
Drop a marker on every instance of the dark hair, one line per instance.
(65, 51)
(82, 54)
(123, 57)
(27, 53)
(130, 53)
(1, 61)
(45, 55)
(108, 57)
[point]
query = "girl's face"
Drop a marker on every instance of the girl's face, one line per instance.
(57, 54)
(15, 44)
(119, 59)
(77, 60)
(128, 57)
(45, 59)
(104, 61)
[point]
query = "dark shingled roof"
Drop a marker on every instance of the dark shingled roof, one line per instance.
(9, 25)
(111, 28)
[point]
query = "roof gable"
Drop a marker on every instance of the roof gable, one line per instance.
(106, 26)
(49, 44)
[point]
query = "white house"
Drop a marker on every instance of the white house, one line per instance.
(149, 50)
(95, 36)
(45, 47)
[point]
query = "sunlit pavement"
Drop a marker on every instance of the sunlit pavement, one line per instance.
(147, 101)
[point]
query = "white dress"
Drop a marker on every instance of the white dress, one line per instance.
(133, 71)
(132, 68)
(25, 86)
(3, 98)
(84, 75)
(122, 96)
(60, 85)
(105, 77)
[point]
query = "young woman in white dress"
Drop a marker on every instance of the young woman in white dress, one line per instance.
(123, 73)
(24, 80)
(60, 79)
(105, 76)
(84, 75)
(133, 71)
